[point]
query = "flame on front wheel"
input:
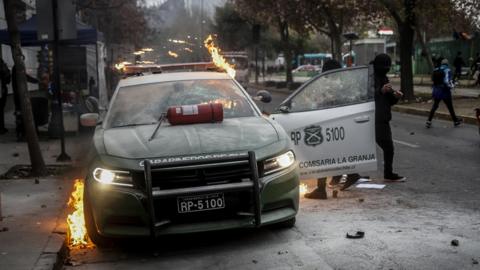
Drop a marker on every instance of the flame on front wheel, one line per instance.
(217, 58)
(77, 231)
(303, 189)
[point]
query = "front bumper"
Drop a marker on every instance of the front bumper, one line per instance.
(123, 212)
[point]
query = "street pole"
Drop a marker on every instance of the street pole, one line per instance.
(58, 92)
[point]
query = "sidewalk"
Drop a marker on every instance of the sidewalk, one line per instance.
(33, 229)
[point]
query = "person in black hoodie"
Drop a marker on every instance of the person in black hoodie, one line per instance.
(385, 98)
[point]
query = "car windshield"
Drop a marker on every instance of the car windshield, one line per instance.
(144, 104)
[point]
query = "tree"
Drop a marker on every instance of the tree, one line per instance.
(403, 12)
(36, 158)
(234, 32)
(121, 21)
(437, 18)
(284, 15)
(333, 18)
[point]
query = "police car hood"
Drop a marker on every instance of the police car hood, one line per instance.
(238, 134)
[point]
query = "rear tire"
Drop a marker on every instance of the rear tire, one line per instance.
(96, 238)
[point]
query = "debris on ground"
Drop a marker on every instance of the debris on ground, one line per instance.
(357, 235)
(37, 181)
(361, 200)
(412, 133)
(455, 243)
(254, 261)
(282, 252)
(25, 171)
(335, 194)
(372, 186)
(43, 206)
(474, 261)
(15, 154)
(4, 229)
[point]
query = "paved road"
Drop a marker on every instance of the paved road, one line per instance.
(407, 225)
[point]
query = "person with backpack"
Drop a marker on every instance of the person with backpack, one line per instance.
(442, 90)
(4, 81)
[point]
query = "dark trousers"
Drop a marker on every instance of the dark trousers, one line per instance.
(383, 136)
(448, 102)
(3, 102)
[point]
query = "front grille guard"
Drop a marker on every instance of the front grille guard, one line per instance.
(253, 185)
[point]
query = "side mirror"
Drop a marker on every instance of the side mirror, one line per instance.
(284, 109)
(89, 119)
(263, 96)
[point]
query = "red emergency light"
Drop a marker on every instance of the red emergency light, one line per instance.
(195, 114)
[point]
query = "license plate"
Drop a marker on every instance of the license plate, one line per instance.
(189, 204)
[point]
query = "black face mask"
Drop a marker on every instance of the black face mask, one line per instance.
(381, 71)
(381, 64)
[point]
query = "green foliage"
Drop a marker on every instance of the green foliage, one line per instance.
(234, 32)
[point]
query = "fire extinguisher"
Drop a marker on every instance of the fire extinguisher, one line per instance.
(195, 114)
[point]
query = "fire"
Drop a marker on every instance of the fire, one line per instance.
(77, 231)
(122, 65)
(217, 58)
(173, 54)
(303, 189)
(188, 50)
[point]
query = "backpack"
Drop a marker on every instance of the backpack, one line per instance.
(438, 76)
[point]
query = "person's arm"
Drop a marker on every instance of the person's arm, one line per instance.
(31, 79)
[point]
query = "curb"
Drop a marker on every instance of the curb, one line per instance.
(438, 115)
(53, 254)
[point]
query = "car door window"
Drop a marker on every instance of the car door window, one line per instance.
(337, 88)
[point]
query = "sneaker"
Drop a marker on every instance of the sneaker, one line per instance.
(316, 194)
(458, 122)
(428, 124)
(350, 182)
(394, 178)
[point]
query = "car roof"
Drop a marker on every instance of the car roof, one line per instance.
(176, 76)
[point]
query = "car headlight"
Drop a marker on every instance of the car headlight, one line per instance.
(112, 177)
(278, 163)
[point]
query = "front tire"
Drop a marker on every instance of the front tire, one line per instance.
(286, 224)
(96, 238)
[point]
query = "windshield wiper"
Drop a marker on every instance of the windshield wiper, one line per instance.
(132, 125)
(160, 120)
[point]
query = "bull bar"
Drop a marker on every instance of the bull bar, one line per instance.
(253, 185)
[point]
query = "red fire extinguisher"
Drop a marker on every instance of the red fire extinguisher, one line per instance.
(194, 114)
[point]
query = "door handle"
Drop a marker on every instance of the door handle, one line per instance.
(362, 119)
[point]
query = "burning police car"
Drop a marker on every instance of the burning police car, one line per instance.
(191, 152)
(187, 152)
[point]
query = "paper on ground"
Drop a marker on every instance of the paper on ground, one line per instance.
(374, 186)
(363, 180)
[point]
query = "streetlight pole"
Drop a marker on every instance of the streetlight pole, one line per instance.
(58, 92)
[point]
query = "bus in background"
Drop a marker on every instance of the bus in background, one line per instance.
(240, 62)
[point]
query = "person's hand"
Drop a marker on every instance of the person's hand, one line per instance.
(397, 93)
(387, 88)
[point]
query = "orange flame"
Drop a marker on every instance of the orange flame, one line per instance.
(218, 59)
(303, 189)
(173, 54)
(77, 231)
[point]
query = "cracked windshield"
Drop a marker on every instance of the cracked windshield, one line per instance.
(239, 134)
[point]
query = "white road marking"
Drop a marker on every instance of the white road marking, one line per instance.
(407, 144)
